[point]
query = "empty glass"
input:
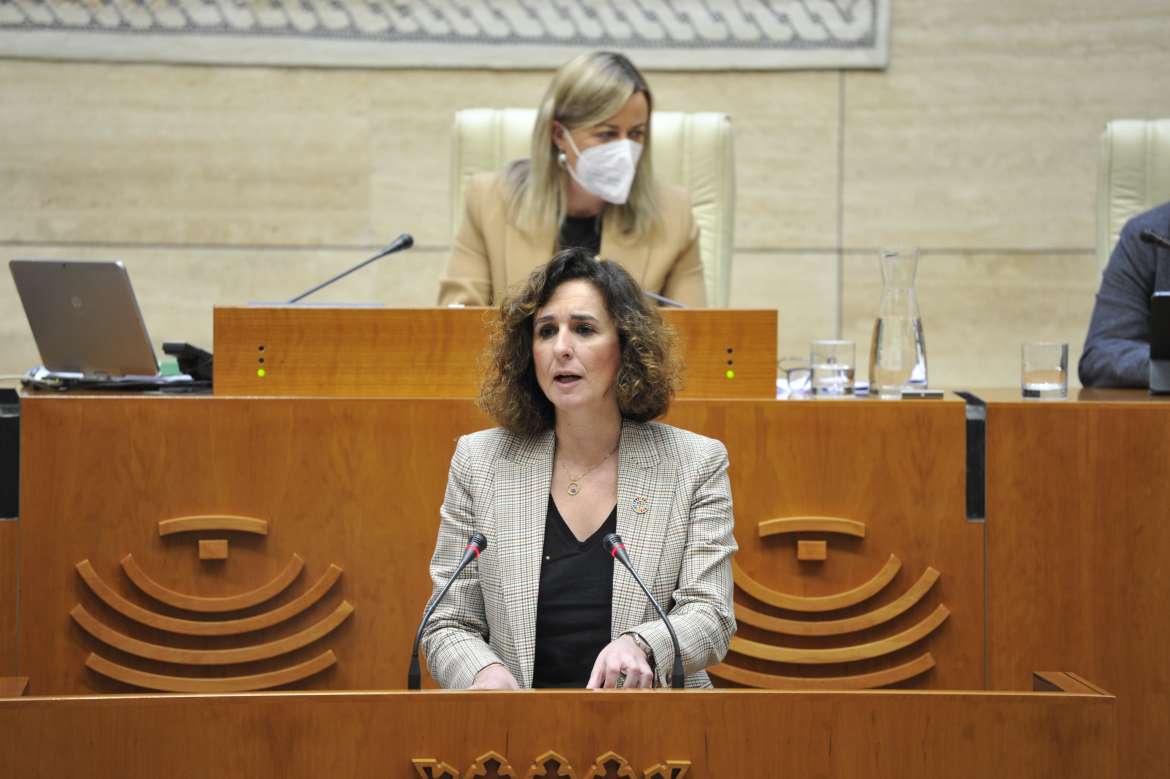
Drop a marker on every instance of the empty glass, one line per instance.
(792, 377)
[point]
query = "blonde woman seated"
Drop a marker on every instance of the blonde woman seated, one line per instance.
(587, 184)
(580, 364)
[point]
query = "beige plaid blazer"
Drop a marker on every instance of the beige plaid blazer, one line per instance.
(681, 546)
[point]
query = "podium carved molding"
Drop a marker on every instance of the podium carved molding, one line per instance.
(549, 765)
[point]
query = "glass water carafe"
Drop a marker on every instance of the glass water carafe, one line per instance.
(897, 352)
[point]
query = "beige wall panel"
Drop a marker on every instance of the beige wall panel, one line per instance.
(982, 135)
(785, 149)
(183, 154)
(984, 131)
(411, 113)
(177, 288)
(18, 353)
(978, 308)
(293, 156)
(802, 287)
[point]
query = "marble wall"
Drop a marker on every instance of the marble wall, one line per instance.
(978, 144)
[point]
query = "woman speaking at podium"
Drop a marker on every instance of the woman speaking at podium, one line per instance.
(588, 183)
(579, 365)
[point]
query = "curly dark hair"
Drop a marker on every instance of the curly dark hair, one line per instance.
(650, 372)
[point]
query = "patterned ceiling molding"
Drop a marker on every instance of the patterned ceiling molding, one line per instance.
(495, 34)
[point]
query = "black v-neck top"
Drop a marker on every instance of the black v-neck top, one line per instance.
(573, 611)
(583, 232)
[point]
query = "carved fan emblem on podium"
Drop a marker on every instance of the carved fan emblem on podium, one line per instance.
(809, 642)
(201, 641)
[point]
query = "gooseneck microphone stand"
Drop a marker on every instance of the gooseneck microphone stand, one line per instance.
(475, 545)
(613, 545)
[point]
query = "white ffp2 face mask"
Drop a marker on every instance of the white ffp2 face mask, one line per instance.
(606, 170)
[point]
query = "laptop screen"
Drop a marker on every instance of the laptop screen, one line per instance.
(84, 317)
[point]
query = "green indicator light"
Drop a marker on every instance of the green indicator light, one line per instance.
(730, 374)
(261, 372)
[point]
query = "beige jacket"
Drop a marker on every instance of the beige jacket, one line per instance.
(491, 255)
(681, 547)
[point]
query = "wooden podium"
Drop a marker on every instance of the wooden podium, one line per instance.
(435, 352)
(1066, 571)
(661, 734)
(207, 544)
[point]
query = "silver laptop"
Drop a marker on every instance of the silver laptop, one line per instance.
(85, 320)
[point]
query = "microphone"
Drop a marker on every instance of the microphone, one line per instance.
(663, 299)
(475, 546)
(613, 545)
(1149, 236)
(404, 241)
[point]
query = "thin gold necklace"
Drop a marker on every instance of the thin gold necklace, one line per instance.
(573, 488)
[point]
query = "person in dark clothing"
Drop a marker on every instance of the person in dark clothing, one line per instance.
(1117, 348)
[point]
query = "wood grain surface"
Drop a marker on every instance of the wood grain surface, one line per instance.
(13, 686)
(201, 603)
(169, 527)
(804, 603)
(896, 467)
(436, 352)
(190, 627)
(9, 600)
(723, 733)
(219, 684)
(886, 677)
(1078, 543)
(188, 657)
(357, 484)
(1077, 538)
(836, 627)
(351, 483)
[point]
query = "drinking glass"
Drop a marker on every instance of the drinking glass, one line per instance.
(792, 377)
(832, 363)
(1044, 370)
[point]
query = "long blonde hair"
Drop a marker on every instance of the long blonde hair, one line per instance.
(586, 91)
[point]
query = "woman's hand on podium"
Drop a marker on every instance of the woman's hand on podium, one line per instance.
(621, 660)
(494, 677)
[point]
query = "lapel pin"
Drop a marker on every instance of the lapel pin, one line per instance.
(640, 505)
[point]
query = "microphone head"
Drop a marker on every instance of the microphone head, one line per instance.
(1150, 237)
(611, 541)
(1156, 239)
(404, 241)
(478, 540)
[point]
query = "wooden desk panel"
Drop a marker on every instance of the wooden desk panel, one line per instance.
(435, 352)
(362, 352)
(725, 734)
(353, 483)
(1010, 396)
(899, 468)
(358, 483)
(1078, 543)
(9, 607)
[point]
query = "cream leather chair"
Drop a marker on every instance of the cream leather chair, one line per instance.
(689, 150)
(1134, 176)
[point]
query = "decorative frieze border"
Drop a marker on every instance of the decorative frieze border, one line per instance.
(495, 34)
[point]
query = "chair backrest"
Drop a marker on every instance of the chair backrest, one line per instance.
(690, 150)
(1133, 176)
